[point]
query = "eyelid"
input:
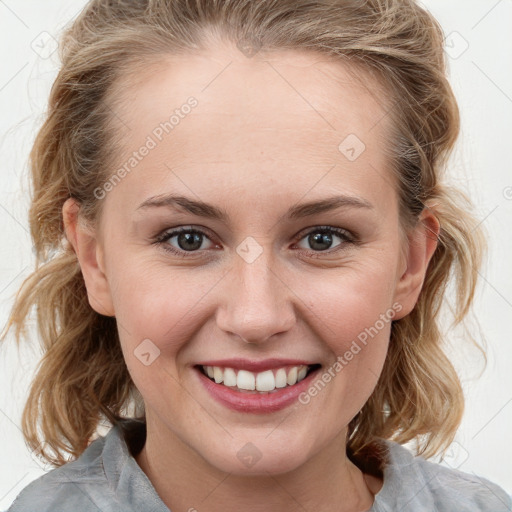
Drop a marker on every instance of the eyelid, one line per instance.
(334, 229)
(185, 227)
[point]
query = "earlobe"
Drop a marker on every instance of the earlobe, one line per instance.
(422, 243)
(85, 244)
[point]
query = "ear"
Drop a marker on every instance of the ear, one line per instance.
(422, 242)
(90, 257)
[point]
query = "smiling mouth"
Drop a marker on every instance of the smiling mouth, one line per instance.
(268, 381)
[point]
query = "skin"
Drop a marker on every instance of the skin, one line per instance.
(264, 137)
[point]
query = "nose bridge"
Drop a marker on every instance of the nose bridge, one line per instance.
(257, 303)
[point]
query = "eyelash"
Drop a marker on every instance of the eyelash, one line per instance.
(347, 238)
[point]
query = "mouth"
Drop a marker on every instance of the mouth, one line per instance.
(265, 382)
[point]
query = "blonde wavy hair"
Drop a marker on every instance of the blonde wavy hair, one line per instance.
(82, 378)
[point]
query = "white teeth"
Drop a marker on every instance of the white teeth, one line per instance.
(218, 374)
(292, 376)
(281, 378)
(265, 381)
(301, 373)
(245, 380)
(229, 377)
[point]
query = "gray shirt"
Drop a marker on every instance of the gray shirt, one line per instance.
(107, 478)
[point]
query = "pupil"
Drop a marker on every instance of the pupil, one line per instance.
(185, 239)
(318, 239)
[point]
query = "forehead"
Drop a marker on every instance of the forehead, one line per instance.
(286, 113)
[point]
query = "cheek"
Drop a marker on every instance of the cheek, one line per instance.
(353, 313)
(349, 302)
(153, 301)
(157, 314)
(355, 327)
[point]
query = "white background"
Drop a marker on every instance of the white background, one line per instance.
(480, 56)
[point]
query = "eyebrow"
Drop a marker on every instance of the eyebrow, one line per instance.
(299, 211)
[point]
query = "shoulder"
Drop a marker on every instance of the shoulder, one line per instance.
(415, 484)
(105, 478)
(73, 486)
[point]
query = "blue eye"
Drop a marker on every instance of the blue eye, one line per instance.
(190, 240)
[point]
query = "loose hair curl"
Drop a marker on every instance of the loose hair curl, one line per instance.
(82, 378)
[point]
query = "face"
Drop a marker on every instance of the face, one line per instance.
(260, 281)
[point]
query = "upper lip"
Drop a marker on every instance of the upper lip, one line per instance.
(255, 366)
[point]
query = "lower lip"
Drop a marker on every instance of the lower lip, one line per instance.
(259, 403)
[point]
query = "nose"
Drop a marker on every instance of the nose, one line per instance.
(258, 302)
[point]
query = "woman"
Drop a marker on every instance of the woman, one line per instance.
(243, 241)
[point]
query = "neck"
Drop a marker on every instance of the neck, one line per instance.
(185, 481)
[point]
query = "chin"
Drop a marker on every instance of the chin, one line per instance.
(263, 458)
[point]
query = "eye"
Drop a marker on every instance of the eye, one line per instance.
(187, 240)
(321, 238)
(191, 240)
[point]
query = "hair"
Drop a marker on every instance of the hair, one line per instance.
(82, 378)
